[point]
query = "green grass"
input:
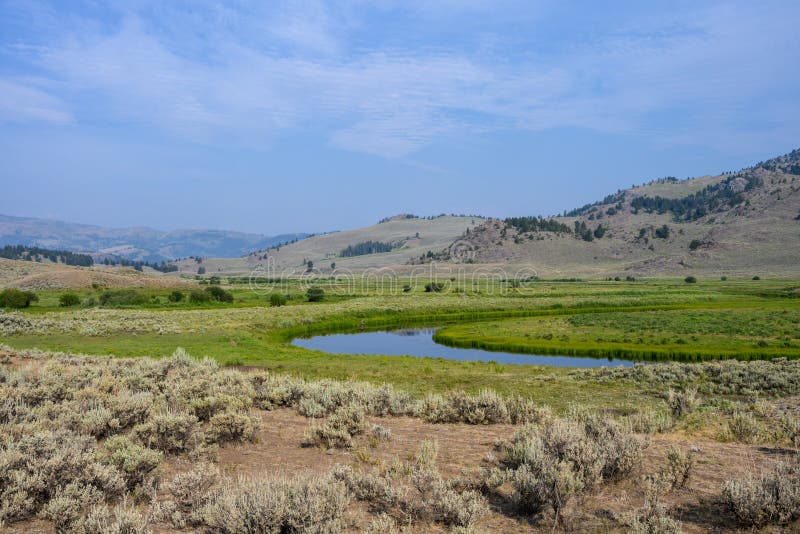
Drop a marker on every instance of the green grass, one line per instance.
(713, 318)
(754, 329)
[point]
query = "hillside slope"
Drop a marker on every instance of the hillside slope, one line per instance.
(133, 243)
(36, 276)
(743, 223)
(408, 238)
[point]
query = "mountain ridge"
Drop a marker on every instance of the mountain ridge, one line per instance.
(135, 243)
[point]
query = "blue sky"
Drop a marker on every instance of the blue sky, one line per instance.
(311, 116)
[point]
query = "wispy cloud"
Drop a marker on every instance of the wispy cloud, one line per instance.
(256, 74)
(21, 101)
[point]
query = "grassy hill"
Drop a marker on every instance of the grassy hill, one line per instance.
(408, 237)
(743, 223)
(32, 275)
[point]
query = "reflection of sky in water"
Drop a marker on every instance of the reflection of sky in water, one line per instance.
(419, 342)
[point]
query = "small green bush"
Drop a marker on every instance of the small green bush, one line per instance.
(14, 298)
(199, 297)
(277, 299)
(123, 297)
(219, 294)
(175, 296)
(315, 294)
(69, 299)
(690, 280)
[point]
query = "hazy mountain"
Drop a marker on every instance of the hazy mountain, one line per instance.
(140, 243)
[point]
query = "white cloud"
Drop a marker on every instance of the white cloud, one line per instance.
(20, 102)
(710, 64)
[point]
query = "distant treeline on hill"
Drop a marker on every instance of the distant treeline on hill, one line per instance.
(694, 206)
(367, 247)
(428, 218)
(536, 224)
(22, 252)
(139, 265)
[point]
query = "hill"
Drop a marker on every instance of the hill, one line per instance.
(392, 242)
(31, 275)
(143, 244)
(742, 223)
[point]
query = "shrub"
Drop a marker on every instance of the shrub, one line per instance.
(744, 426)
(121, 520)
(653, 518)
(191, 491)
(338, 431)
(690, 280)
(69, 299)
(175, 296)
(123, 297)
(277, 299)
(756, 277)
(132, 459)
(770, 498)
(167, 431)
(679, 466)
(219, 294)
(14, 298)
(434, 287)
(199, 297)
(231, 426)
(277, 505)
(695, 244)
(682, 402)
(315, 294)
(561, 458)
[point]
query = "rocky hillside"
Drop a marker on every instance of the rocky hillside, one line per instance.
(741, 223)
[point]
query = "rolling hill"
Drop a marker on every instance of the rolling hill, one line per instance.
(408, 237)
(141, 243)
(742, 223)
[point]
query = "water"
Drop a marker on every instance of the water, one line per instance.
(419, 343)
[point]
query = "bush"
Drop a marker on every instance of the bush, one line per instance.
(682, 402)
(560, 459)
(219, 294)
(132, 459)
(123, 297)
(14, 298)
(744, 426)
(167, 431)
(434, 287)
(231, 426)
(277, 299)
(69, 299)
(175, 296)
(338, 431)
(679, 466)
(277, 505)
(771, 498)
(199, 297)
(756, 278)
(690, 280)
(695, 244)
(315, 294)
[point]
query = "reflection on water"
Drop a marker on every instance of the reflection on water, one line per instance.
(419, 342)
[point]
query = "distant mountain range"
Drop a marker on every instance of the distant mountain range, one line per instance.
(139, 243)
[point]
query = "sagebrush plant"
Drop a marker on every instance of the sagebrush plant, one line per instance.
(555, 461)
(770, 497)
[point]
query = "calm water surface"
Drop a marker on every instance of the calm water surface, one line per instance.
(419, 342)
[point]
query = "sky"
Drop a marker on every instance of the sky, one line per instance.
(292, 116)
